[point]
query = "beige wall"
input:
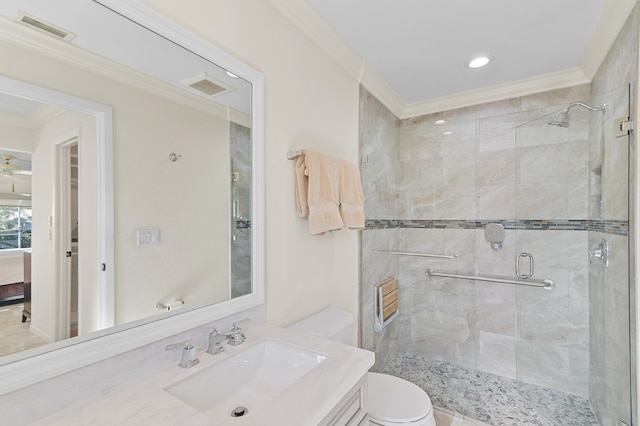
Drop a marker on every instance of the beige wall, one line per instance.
(151, 192)
(310, 103)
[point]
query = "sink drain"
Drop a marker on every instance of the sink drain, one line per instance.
(239, 411)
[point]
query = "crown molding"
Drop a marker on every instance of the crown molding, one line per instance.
(552, 81)
(379, 88)
(306, 19)
(18, 34)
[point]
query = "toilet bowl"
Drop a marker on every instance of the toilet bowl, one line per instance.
(392, 401)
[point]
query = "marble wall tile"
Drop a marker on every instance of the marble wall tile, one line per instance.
(458, 171)
(497, 133)
(540, 133)
(497, 317)
(497, 354)
(496, 201)
(423, 173)
(457, 202)
(534, 201)
(615, 191)
(544, 364)
(374, 115)
(556, 97)
(555, 249)
(495, 168)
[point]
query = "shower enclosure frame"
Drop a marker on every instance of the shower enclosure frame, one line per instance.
(601, 341)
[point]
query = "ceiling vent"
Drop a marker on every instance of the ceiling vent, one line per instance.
(208, 85)
(44, 27)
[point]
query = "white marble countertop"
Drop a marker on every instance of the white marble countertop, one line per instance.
(306, 402)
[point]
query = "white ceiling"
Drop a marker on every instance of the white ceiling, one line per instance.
(419, 47)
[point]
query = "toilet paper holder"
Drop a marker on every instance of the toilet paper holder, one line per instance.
(385, 303)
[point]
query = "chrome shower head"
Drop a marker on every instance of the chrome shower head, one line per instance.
(562, 118)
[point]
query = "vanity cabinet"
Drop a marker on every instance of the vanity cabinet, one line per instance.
(352, 410)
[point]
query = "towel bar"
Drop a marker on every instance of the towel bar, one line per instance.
(547, 284)
(404, 253)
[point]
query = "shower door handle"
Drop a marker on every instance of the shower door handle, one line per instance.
(522, 255)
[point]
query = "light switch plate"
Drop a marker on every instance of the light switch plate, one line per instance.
(148, 237)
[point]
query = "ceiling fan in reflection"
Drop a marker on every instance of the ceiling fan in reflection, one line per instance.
(10, 170)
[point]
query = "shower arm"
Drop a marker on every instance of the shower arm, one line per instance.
(589, 107)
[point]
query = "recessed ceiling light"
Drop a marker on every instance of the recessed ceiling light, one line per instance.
(439, 122)
(478, 62)
(447, 133)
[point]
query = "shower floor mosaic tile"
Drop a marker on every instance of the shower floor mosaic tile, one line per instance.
(489, 398)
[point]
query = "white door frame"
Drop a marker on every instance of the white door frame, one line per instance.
(62, 215)
(104, 169)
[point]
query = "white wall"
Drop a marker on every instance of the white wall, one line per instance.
(178, 198)
(310, 103)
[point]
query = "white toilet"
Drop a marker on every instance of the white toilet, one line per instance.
(392, 401)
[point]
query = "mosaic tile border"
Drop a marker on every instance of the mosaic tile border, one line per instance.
(616, 227)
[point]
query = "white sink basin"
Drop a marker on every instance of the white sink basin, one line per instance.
(251, 378)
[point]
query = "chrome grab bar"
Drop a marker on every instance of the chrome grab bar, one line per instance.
(546, 284)
(405, 253)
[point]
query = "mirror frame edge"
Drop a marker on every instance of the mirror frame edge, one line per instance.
(114, 341)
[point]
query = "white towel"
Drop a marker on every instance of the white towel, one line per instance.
(318, 191)
(328, 192)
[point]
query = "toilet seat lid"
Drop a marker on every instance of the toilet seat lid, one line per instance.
(394, 399)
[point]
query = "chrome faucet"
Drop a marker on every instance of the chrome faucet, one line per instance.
(189, 358)
(234, 337)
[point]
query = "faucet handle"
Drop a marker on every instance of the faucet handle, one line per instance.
(215, 342)
(189, 358)
(236, 325)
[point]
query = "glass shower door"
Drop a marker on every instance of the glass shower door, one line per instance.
(572, 177)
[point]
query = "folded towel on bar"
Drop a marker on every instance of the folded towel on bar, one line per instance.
(328, 192)
(351, 196)
(318, 191)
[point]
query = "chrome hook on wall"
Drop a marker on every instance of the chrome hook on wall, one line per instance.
(174, 157)
(601, 252)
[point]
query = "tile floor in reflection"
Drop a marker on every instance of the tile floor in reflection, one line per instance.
(14, 334)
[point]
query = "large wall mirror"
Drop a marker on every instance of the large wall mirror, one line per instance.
(131, 153)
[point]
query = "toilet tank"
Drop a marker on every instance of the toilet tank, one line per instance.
(332, 323)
